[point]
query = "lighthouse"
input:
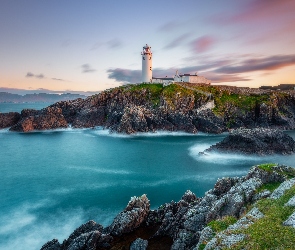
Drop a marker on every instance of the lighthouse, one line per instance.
(147, 70)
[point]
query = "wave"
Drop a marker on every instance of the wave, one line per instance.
(100, 170)
(160, 133)
(221, 158)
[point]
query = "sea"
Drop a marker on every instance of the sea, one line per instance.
(53, 181)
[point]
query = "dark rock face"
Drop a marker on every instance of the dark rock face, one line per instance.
(47, 118)
(9, 119)
(179, 107)
(260, 141)
(184, 221)
(132, 217)
(139, 244)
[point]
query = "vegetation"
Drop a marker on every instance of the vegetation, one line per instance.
(222, 224)
(271, 186)
(267, 166)
(269, 232)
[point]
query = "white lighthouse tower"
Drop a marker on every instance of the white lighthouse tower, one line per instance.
(147, 70)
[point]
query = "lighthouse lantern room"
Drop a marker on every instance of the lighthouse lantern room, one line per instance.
(147, 69)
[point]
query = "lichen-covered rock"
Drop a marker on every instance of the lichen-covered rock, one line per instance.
(9, 119)
(85, 241)
(279, 192)
(51, 245)
(132, 217)
(291, 202)
(259, 141)
(205, 236)
(88, 227)
(139, 244)
(290, 221)
(222, 241)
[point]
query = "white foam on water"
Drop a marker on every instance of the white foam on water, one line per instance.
(21, 229)
(100, 170)
(160, 133)
(220, 158)
(4, 130)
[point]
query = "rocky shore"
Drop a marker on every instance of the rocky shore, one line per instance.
(177, 107)
(259, 141)
(225, 218)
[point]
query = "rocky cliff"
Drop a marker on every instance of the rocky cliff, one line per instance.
(252, 212)
(259, 141)
(186, 107)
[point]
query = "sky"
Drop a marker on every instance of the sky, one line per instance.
(92, 45)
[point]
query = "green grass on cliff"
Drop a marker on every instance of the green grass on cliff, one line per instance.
(222, 224)
(269, 232)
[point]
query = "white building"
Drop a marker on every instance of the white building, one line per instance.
(147, 70)
(191, 78)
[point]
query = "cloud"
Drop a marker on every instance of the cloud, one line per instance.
(170, 26)
(114, 43)
(177, 41)
(40, 76)
(57, 79)
(202, 44)
(266, 63)
(29, 74)
(125, 75)
(86, 68)
(230, 68)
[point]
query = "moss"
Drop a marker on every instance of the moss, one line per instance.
(202, 246)
(269, 232)
(222, 224)
(267, 166)
(271, 186)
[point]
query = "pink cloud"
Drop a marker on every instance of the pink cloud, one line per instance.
(202, 44)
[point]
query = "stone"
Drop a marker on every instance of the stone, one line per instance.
(291, 202)
(52, 245)
(132, 217)
(290, 221)
(279, 192)
(9, 119)
(259, 141)
(139, 244)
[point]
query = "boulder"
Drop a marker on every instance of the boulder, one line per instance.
(132, 217)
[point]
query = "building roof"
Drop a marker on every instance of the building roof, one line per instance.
(163, 78)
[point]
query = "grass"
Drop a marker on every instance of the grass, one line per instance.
(271, 186)
(267, 166)
(222, 224)
(269, 232)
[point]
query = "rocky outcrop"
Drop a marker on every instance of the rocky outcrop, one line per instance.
(47, 118)
(260, 141)
(177, 107)
(8, 119)
(186, 222)
(132, 217)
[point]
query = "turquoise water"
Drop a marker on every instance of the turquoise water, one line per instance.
(18, 107)
(53, 181)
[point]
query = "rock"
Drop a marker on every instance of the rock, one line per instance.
(291, 202)
(51, 245)
(259, 141)
(47, 118)
(9, 119)
(85, 241)
(139, 244)
(279, 192)
(132, 217)
(88, 227)
(290, 221)
(222, 241)
(206, 235)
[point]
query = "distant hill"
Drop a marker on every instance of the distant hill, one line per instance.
(40, 97)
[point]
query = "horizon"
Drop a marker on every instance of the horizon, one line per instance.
(93, 46)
